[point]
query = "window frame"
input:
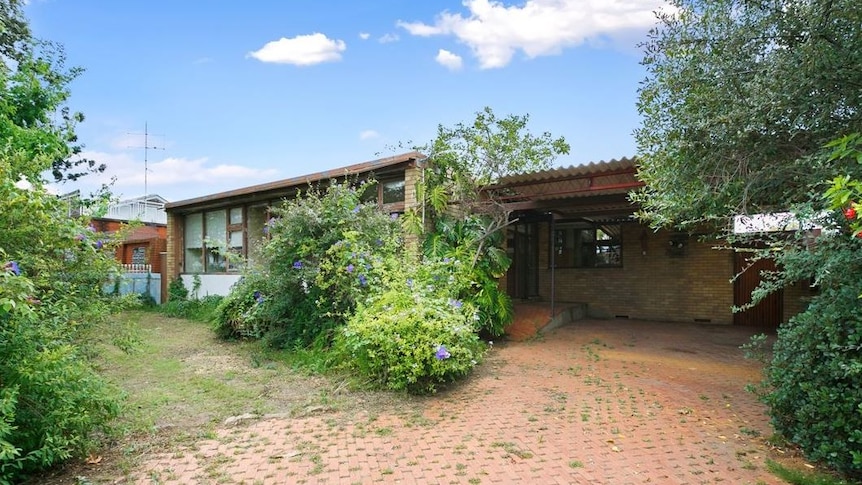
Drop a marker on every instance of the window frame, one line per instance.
(591, 248)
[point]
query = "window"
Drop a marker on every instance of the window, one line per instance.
(194, 244)
(215, 228)
(208, 235)
(257, 218)
(139, 255)
(388, 194)
(584, 245)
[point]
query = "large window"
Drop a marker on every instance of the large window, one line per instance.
(240, 230)
(209, 235)
(583, 245)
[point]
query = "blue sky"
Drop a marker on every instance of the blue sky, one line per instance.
(239, 93)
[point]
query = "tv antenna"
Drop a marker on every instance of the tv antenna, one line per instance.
(147, 147)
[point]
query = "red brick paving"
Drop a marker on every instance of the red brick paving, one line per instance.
(615, 402)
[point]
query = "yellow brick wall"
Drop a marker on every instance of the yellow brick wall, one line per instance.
(651, 284)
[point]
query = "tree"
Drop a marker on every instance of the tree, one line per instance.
(465, 221)
(33, 92)
(52, 268)
(739, 95)
(750, 107)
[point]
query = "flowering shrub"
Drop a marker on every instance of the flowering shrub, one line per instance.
(477, 264)
(411, 338)
(327, 251)
(51, 273)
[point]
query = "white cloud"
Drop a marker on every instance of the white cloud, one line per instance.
(302, 50)
(368, 135)
(388, 38)
(364, 35)
(127, 172)
(495, 32)
(202, 60)
(449, 60)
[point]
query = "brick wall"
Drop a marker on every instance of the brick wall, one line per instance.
(651, 284)
(174, 245)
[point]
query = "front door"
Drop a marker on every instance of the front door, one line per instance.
(523, 275)
(769, 312)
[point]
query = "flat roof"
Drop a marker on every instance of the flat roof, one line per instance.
(286, 184)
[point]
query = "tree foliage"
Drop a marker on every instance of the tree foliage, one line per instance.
(752, 107)
(458, 219)
(739, 95)
(52, 268)
(34, 89)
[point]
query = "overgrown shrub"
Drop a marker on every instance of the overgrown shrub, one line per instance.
(478, 264)
(52, 268)
(199, 309)
(326, 252)
(410, 338)
(816, 380)
(813, 383)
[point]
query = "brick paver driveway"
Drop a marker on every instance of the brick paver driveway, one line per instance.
(616, 402)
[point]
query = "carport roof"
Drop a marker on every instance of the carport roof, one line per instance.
(594, 190)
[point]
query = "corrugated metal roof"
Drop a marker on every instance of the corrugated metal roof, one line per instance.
(594, 189)
(615, 176)
(290, 183)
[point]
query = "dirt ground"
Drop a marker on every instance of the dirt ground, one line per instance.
(616, 402)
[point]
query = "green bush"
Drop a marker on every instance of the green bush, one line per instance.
(199, 309)
(327, 251)
(52, 268)
(816, 374)
(477, 264)
(813, 383)
(412, 339)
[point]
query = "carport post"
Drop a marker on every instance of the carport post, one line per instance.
(553, 268)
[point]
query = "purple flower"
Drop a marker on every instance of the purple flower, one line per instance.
(349, 268)
(362, 280)
(394, 216)
(442, 353)
(80, 237)
(258, 297)
(446, 260)
(99, 244)
(409, 282)
(12, 266)
(297, 265)
(356, 209)
(455, 303)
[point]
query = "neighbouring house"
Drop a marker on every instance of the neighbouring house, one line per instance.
(197, 228)
(142, 221)
(575, 242)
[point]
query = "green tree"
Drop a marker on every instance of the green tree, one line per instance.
(458, 219)
(739, 95)
(740, 100)
(34, 89)
(52, 268)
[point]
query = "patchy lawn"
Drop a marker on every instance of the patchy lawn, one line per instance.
(182, 384)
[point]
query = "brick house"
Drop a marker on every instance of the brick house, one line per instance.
(143, 247)
(573, 241)
(236, 218)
